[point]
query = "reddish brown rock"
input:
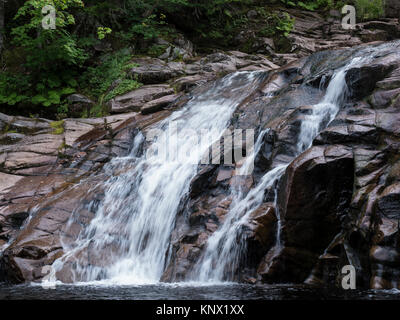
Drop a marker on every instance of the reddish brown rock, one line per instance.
(135, 100)
(158, 104)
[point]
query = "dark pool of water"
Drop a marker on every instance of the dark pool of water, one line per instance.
(186, 292)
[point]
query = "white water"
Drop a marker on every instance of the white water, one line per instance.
(131, 230)
(324, 112)
(224, 248)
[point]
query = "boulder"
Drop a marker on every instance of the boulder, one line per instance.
(189, 82)
(179, 49)
(312, 199)
(262, 224)
(362, 80)
(158, 104)
(77, 104)
(311, 217)
(152, 70)
(135, 100)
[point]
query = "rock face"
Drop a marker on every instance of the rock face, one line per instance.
(311, 213)
(337, 202)
(135, 100)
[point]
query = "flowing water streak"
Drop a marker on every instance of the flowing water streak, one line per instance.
(222, 254)
(324, 112)
(224, 248)
(129, 236)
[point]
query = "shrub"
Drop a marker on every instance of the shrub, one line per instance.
(370, 9)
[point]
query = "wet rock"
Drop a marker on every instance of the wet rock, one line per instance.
(224, 174)
(391, 81)
(384, 255)
(286, 266)
(373, 35)
(310, 213)
(262, 223)
(382, 99)
(320, 166)
(390, 26)
(389, 202)
(189, 82)
(38, 243)
(202, 179)
(218, 63)
(7, 181)
(264, 45)
(336, 200)
(362, 80)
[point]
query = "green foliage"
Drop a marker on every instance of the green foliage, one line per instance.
(48, 90)
(111, 67)
(278, 24)
(11, 88)
(285, 24)
(124, 86)
(310, 5)
(156, 50)
(46, 73)
(47, 49)
(370, 9)
(102, 32)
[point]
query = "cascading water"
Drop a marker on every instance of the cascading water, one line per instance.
(220, 260)
(132, 226)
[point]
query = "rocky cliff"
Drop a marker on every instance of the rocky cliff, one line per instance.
(337, 203)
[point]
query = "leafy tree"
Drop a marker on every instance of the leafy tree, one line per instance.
(47, 48)
(50, 55)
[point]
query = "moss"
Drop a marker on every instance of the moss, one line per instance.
(58, 127)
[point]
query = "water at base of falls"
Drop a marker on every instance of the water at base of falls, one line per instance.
(185, 291)
(128, 239)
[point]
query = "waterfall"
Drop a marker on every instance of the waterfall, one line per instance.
(220, 260)
(133, 224)
(127, 242)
